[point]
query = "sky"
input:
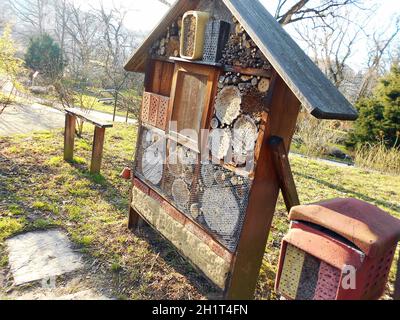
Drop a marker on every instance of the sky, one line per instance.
(144, 15)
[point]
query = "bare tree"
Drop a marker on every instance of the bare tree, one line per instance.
(32, 12)
(331, 45)
(117, 43)
(289, 11)
(379, 45)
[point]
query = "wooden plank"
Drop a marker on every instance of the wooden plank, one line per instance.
(284, 108)
(303, 77)
(248, 71)
(93, 120)
(166, 79)
(97, 151)
(284, 172)
(69, 136)
(156, 77)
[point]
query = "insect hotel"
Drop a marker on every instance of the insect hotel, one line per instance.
(222, 91)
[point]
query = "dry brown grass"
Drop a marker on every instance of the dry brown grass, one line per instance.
(378, 157)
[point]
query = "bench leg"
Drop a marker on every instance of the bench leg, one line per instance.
(97, 151)
(69, 137)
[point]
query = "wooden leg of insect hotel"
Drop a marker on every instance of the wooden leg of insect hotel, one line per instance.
(97, 152)
(69, 136)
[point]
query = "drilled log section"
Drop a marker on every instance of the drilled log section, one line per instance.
(220, 142)
(245, 133)
(227, 104)
(263, 85)
(180, 193)
(214, 124)
(152, 164)
(174, 165)
(220, 210)
(207, 174)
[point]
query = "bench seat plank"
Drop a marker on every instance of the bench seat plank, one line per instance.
(93, 120)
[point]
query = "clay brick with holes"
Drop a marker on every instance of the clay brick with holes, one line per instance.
(162, 113)
(145, 107)
(340, 249)
(154, 102)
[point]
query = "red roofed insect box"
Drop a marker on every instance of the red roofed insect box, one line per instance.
(340, 249)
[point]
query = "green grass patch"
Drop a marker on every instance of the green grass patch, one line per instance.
(10, 226)
(43, 224)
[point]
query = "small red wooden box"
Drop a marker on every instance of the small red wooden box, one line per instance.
(340, 249)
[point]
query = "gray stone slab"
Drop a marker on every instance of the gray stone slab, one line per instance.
(41, 255)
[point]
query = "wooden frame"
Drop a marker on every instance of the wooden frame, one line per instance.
(212, 75)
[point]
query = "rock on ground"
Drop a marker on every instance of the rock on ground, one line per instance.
(41, 255)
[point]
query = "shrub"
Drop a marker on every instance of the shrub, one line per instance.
(44, 55)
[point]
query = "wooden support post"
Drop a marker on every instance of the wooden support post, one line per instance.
(284, 173)
(284, 109)
(69, 136)
(97, 151)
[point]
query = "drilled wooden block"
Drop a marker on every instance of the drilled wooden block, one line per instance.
(154, 103)
(291, 271)
(145, 107)
(328, 282)
(162, 112)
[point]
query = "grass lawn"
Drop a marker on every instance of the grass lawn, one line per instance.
(38, 190)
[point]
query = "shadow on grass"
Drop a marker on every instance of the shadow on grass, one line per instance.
(350, 192)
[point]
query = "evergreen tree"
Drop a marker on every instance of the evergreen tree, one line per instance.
(379, 115)
(44, 55)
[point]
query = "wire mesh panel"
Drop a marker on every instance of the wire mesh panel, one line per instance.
(211, 195)
(216, 36)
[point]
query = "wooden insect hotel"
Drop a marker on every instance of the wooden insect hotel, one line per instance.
(222, 91)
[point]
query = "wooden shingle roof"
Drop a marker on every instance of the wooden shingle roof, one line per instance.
(318, 95)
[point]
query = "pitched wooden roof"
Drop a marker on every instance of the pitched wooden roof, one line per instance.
(318, 95)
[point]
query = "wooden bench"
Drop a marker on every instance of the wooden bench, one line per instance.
(98, 141)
